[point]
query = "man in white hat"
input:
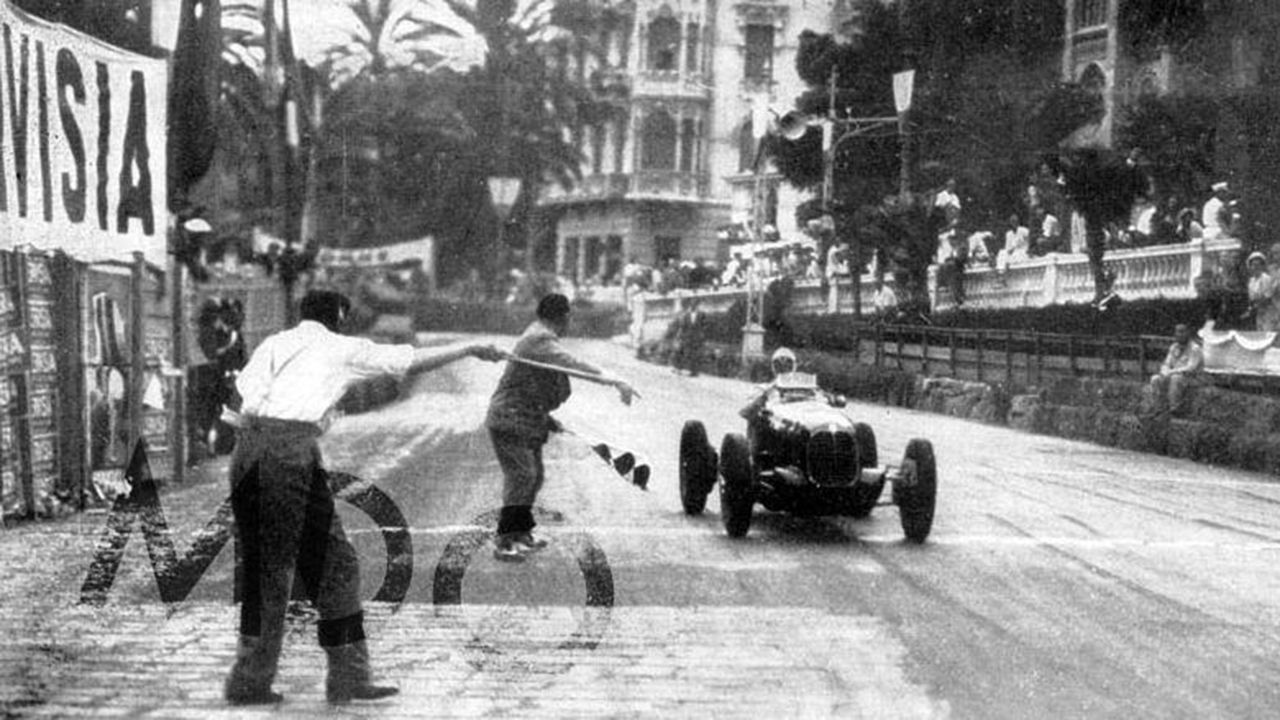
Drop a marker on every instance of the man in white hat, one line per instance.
(1213, 217)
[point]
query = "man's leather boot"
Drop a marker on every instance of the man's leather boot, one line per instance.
(349, 675)
(255, 668)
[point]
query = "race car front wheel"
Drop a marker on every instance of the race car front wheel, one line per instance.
(737, 485)
(697, 467)
(865, 438)
(916, 492)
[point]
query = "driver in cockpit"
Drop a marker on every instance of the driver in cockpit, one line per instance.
(786, 386)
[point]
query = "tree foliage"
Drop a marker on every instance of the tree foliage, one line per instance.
(1149, 24)
(1176, 134)
(956, 29)
(988, 106)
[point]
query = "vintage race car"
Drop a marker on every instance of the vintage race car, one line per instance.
(803, 455)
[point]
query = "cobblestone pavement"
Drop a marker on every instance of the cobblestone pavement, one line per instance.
(472, 662)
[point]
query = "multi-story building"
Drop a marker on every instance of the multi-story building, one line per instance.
(1233, 49)
(669, 172)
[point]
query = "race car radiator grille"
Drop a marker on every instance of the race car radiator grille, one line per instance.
(832, 458)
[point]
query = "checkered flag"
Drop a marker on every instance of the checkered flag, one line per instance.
(624, 463)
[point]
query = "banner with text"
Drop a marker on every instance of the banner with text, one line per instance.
(421, 250)
(82, 143)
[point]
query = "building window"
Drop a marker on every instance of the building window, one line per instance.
(688, 145)
(691, 63)
(658, 142)
(569, 265)
(597, 149)
(1094, 80)
(1090, 13)
(664, 44)
(746, 146)
(759, 54)
(591, 253)
(619, 145)
(666, 248)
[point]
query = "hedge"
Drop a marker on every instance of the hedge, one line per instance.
(441, 315)
(834, 332)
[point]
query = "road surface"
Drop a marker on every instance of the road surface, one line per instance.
(1062, 580)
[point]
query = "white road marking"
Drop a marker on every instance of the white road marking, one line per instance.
(682, 533)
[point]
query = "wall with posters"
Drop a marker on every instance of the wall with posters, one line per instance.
(83, 236)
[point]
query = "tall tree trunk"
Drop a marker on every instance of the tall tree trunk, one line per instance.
(1096, 244)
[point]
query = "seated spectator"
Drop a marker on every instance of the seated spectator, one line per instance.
(732, 274)
(1165, 224)
(1142, 221)
(885, 302)
(1264, 294)
(1187, 229)
(1181, 366)
(1016, 244)
(1048, 237)
(980, 248)
(812, 268)
(838, 261)
(949, 203)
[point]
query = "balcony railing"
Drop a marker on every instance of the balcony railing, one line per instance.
(644, 185)
(671, 84)
(1165, 271)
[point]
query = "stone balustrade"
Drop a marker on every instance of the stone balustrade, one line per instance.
(1163, 271)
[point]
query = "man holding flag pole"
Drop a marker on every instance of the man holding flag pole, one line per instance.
(535, 382)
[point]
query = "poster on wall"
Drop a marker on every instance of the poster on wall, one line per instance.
(82, 165)
(42, 380)
(11, 350)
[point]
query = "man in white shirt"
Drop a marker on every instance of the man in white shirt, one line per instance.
(837, 261)
(280, 497)
(1017, 238)
(949, 202)
(1212, 216)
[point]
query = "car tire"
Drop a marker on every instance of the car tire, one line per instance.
(697, 467)
(916, 499)
(737, 485)
(865, 438)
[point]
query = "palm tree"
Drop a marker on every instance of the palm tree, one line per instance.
(524, 97)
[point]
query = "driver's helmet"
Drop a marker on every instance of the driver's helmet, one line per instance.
(783, 361)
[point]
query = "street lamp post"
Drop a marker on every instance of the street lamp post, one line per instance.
(503, 191)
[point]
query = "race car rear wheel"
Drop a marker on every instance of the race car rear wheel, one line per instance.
(865, 438)
(917, 492)
(737, 485)
(697, 467)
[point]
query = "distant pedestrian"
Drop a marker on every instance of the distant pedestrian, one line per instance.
(284, 511)
(690, 338)
(519, 421)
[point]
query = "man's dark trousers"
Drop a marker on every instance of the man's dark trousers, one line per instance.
(286, 522)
